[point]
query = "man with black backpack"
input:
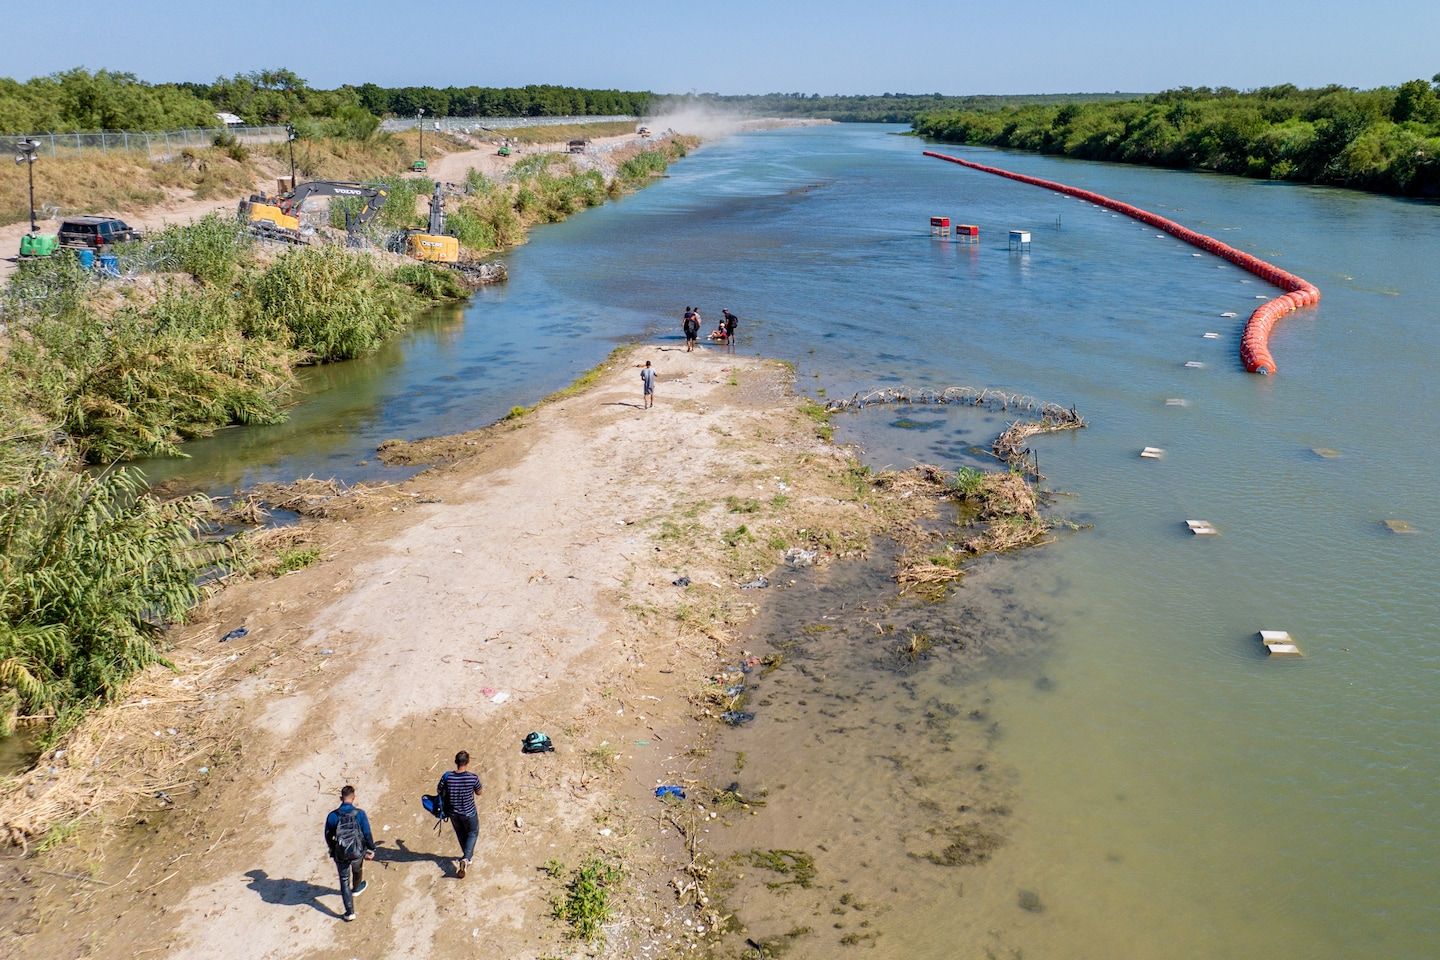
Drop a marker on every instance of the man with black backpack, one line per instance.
(347, 835)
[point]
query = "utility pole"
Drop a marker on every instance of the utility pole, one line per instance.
(420, 122)
(290, 138)
(27, 152)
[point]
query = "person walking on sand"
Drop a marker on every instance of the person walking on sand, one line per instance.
(647, 379)
(347, 836)
(692, 328)
(457, 791)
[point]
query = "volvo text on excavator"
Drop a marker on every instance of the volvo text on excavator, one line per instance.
(279, 217)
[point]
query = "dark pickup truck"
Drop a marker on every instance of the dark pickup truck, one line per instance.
(95, 232)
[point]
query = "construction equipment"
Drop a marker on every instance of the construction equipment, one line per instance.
(431, 244)
(278, 218)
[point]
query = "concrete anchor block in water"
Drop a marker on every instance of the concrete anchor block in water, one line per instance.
(1279, 643)
(1152, 453)
(1202, 528)
(1398, 526)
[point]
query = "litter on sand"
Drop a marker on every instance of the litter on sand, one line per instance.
(682, 582)
(500, 697)
(737, 717)
(235, 634)
(797, 557)
(759, 583)
(670, 790)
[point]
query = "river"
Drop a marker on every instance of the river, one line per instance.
(1166, 789)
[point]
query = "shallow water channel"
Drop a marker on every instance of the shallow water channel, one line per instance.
(1159, 787)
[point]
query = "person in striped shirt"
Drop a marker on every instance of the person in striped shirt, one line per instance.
(457, 791)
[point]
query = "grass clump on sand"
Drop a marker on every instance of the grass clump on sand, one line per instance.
(585, 903)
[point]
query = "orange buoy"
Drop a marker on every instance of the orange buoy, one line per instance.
(1254, 345)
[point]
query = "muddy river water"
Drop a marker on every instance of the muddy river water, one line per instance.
(1093, 758)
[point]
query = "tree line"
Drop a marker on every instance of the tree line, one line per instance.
(79, 100)
(1386, 139)
(875, 108)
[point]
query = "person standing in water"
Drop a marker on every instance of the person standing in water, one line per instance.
(647, 379)
(731, 322)
(692, 328)
(457, 791)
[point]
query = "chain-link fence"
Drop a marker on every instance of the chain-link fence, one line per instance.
(472, 125)
(157, 144)
(164, 144)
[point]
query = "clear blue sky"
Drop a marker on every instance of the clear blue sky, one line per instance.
(741, 46)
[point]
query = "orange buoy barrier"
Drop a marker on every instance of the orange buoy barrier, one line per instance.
(1255, 342)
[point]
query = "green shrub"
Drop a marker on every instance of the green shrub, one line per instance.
(91, 568)
(328, 304)
(585, 904)
(430, 282)
(213, 249)
(143, 380)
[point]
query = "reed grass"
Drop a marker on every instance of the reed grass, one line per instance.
(91, 569)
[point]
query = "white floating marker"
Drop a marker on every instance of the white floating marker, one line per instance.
(1152, 453)
(1202, 528)
(1197, 254)
(1229, 313)
(1210, 335)
(1194, 364)
(1325, 452)
(1278, 643)
(1261, 296)
(1175, 402)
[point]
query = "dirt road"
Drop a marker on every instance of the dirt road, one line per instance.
(182, 207)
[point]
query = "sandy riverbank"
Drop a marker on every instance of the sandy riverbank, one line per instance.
(538, 565)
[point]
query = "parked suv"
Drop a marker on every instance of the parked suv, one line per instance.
(95, 232)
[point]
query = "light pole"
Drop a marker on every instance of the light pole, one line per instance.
(290, 138)
(420, 122)
(27, 152)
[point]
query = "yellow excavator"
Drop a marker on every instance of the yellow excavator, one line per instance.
(278, 217)
(431, 244)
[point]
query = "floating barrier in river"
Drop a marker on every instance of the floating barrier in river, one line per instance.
(1255, 343)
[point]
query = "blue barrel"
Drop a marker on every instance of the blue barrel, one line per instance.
(110, 264)
(86, 256)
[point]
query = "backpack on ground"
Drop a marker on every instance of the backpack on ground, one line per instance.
(536, 742)
(349, 838)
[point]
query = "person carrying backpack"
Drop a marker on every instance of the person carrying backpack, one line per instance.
(457, 791)
(347, 835)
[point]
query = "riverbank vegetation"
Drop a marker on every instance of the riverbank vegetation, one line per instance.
(1386, 139)
(79, 100)
(206, 330)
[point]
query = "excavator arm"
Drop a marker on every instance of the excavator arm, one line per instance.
(374, 198)
(280, 217)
